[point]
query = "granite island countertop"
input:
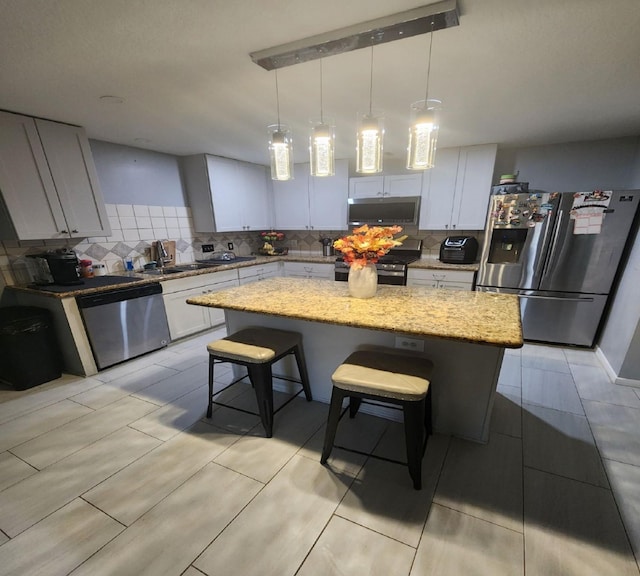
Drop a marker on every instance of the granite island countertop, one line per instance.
(476, 317)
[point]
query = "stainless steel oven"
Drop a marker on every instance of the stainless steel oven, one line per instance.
(124, 322)
(392, 268)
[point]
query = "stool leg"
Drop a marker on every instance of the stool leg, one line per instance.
(332, 423)
(260, 375)
(302, 370)
(413, 432)
(211, 365)
(354, 406)
(428, 423)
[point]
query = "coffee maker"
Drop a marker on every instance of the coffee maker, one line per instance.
(58, 267)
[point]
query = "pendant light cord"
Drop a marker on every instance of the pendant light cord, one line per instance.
(321, 111)
(426, 95)
(371, 79)
(277, 100)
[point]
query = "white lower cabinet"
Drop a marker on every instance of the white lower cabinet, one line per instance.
(185, 319)
(447, 279)
(258, 272)
(308, 270)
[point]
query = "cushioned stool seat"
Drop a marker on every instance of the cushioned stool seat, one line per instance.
(389, 377)
(258, 349)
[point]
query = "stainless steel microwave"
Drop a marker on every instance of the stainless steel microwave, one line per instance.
(387, 211)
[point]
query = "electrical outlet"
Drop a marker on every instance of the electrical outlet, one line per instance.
(207, 247)
(229, 245)
(410, 344)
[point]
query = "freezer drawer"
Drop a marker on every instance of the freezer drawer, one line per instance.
(559, 318)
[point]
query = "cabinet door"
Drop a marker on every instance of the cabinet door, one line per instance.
(185, 319)
(308, 270)
(473, 186)
(256, 211)
(226, 182)
(291, 200)
(216, 315)
(403, 185)
(439, 188)
(76, 181)
(328, 199)
(27, 188)
(366, 187)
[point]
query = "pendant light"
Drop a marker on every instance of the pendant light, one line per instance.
(369, 137)
(322, 143)
(280, 146)
(423, 131)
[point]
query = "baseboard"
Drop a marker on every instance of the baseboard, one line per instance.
(612, 374)
(628, 382)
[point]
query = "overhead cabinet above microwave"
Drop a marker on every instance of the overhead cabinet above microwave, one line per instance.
(383, 186)
(48, 183)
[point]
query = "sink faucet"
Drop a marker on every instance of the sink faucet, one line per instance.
(162, 256)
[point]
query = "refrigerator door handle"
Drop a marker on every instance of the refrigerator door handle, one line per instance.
(555, 298)
(554, 243)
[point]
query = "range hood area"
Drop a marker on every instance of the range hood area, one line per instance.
(401, 210)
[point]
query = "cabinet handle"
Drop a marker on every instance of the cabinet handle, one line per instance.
(453, 226)
(64, 232)
(74, 231)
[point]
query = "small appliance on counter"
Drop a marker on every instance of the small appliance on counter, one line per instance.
(459, 250)
(59, 267)
(327, 247)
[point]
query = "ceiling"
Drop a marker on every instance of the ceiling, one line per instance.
(515, 72)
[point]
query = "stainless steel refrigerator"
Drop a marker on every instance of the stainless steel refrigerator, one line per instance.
(561, 253)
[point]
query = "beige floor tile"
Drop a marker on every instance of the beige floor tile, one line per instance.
(3, 538)
(542, 357)
(484, 481)
(274, 533)
(506, 417)
(383, 498)
(13, 470)
(122, 386)
(616, 431)
(187, 360)
(593, 383)
(128, 494)
(191, 571)
(38, 422)
(346, 549)
(59, 543)
(511, 371)
(59, 443)
(175, 386)
(572, 528)
(39, 495)
(42, 396)
(625, 481)
(561, 443)
(584, 357)
(171, 535)
(550, 389)
(261, 458)
(454, 543)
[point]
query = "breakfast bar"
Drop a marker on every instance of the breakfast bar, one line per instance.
(464, 333)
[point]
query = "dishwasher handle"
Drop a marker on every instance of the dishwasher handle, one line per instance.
(118, 295)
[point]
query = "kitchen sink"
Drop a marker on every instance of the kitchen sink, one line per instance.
(162, 272)
(178, 269)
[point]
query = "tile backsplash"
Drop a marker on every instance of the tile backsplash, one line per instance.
(134, 228)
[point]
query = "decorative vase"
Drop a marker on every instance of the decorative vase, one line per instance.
(363, 282)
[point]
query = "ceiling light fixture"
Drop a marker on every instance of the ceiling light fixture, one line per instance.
(405, 24)
(369, 136)
(322, 142)
(423, 131)
(280, 146)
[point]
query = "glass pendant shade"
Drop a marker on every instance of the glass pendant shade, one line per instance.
(369, 144)
(423, 135)
(281, 152)
(322, 149)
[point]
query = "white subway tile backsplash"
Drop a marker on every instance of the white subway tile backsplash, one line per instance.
(112, 210)
(155, 211)
(128, 223)
(160, 233)
(140, 210)
(146, 233)
(114, 221)
(172, 222)
(116, 236)
(125, 209)
(130, 235)
(158, 222)
(169, 211)
(173, 233)
(184, 222)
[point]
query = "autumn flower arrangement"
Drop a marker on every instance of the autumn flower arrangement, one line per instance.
(367, 244)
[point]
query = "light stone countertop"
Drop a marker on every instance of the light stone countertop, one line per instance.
(477, 317)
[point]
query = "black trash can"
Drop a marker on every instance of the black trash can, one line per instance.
(29, 352)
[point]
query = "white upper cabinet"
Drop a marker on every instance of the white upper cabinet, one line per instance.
(226, 195)
(48, 181)
(309, 203)
(379, 186)
(455, 192)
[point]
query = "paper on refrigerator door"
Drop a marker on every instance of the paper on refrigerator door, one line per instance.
(588, 211)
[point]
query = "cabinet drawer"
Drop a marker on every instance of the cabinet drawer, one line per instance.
(441, 275)
(264, 270)
(308, 270)
(200, 280)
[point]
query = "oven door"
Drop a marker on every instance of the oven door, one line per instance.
(394, 277)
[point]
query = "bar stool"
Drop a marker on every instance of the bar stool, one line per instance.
(388, 377)
(258, 349)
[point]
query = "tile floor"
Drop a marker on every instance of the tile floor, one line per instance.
(120, 474)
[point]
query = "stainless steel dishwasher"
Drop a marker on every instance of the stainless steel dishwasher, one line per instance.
(124, 323)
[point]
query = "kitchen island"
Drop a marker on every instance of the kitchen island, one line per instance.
(463, 333)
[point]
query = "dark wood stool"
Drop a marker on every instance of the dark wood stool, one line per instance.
(387, 377)
(258, 349)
